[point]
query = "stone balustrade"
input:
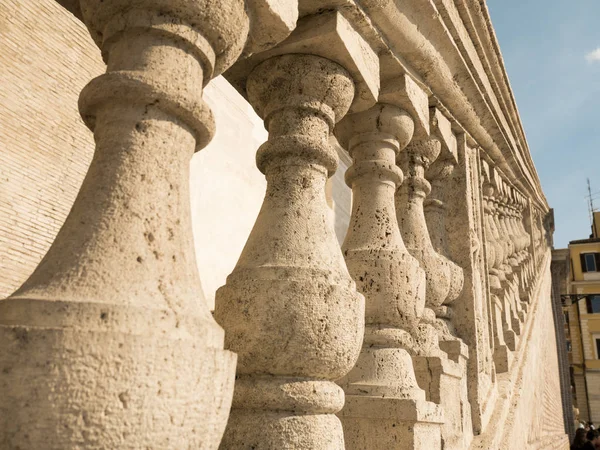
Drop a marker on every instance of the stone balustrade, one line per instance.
(398, 339)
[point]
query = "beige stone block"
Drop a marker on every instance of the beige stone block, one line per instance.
(271, 21)
(443, 127)
(404, 92)
(329, 35)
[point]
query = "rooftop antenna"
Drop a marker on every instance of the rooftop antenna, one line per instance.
(591, 208)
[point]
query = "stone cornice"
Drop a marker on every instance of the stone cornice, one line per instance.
(452, 46)
(450, 49)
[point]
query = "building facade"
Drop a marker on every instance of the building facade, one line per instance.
(269, 225)
(581, 308)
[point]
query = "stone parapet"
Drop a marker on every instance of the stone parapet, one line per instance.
(426, 329)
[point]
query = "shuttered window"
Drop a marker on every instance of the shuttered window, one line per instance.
(590, 262)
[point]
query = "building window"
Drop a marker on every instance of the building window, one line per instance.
(569, 348)
(593, 304)
(597, 347)
(590, 262)
(566, 317)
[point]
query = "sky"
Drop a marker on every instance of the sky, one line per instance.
(551, 50)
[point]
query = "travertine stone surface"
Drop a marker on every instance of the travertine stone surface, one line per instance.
(388, 276)
(439, 174)
(272, 21)
(444, 278)
(502, 326)
(531, 383)
(330, 35)
(111, 327)
(447, 386)
(471, 312)
(445, 373)
(111, 344)
(290, 308)
(509, 264)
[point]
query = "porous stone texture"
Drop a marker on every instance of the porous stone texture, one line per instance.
(123, 352)
(116, 296)
(290, 308)
(444, 278)
(472, 312)
(528, 413)
(392, 283)
(503, 334)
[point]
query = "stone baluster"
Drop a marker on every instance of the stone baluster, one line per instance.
(522, 245)
(528, 247)
(529, 224)
(519, 206)
(504, 338)
(472, 312)
(290, 308)
(439, 174)
(510, 215)
(507, 262)
(383, 399)
(522, 208)
(111, 328)
(444, 278)
(540, 237)
(511, 263)
(445, 373)
(517, 256)
(440, 358)
(523, 271)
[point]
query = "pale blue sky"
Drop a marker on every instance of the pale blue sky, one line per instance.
(548, 48)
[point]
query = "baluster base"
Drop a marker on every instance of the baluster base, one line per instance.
(109, 381)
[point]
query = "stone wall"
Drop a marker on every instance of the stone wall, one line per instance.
(46, 57)
(531, 415)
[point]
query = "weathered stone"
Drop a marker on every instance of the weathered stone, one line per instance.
(503, 333)
(272, 21)
(389, 278)
(404, 92)
(444, 277)
(100, 349)
(110, 327)
(471, 312)
(329, 35)
(290, 309)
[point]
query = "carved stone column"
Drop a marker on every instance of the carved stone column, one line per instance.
(108, 344)
(290, 308)
(504, 268)
(526, 255)
(439, 174)
(523, 212)
(517, 237)
(472, 311)
(444, 278)
(383, 398)
(511, 264)
(502, 325)
(443, 372)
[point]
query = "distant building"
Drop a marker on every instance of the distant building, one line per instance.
(581, 307)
